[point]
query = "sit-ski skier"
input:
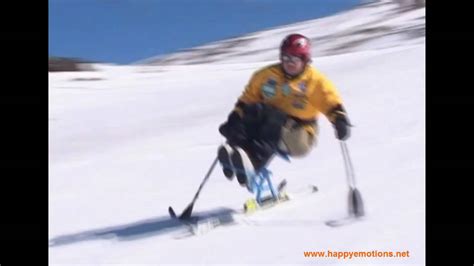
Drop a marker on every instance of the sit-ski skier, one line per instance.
(278, 112)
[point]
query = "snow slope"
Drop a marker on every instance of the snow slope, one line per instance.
(377, 25)
(133, 140)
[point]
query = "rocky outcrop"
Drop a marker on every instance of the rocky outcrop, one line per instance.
(57, 64)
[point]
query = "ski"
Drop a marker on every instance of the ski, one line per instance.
(252, 206)
(194, 225)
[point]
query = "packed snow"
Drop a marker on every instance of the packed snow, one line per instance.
(126, 142)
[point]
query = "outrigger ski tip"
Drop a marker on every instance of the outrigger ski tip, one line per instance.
(171, 212)
(186, 215)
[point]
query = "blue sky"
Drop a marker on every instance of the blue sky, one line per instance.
(125, 31)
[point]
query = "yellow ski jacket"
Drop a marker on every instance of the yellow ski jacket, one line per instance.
(303, 97)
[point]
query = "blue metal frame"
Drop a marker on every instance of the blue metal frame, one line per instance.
(262, 181)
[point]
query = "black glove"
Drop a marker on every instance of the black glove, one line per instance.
(234, 129)
(342, 127)
(341, 123)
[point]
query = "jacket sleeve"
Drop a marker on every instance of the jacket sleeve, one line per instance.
(327, 99)
(251, 94)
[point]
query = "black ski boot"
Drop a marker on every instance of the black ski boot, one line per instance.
(244, 169)
(224, 156)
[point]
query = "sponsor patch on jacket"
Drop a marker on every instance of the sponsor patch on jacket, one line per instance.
(286, 90)
(272, 82)
(302, 86)
(299, 104)
(300, 96)
(268, 91)
(269, 88)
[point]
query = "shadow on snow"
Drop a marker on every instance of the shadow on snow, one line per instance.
(144, 228)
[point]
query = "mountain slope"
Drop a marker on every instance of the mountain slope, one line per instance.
(377, 25)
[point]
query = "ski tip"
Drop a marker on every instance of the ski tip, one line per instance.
(171, 212)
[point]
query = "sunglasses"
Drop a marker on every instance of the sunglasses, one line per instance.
(290, 58)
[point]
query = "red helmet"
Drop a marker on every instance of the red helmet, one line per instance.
(296, 45)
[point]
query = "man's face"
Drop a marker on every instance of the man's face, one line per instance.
(292, 65)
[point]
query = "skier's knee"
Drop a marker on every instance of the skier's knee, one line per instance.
(297, 141)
